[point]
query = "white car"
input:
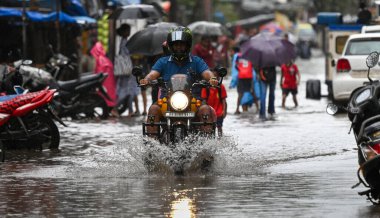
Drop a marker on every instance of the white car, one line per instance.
(351, 69)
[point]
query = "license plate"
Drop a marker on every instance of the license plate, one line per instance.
(178, 114)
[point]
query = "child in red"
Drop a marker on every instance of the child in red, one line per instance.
(290, 79)
(216, 98)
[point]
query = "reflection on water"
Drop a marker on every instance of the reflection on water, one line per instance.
(183, 207)
(301, 165)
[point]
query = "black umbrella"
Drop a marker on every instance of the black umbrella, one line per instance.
(149, 41)
(139, 11)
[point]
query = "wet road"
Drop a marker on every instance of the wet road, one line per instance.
(303, 164)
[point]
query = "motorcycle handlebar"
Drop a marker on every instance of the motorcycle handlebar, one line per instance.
(151, 83)
(204, 84)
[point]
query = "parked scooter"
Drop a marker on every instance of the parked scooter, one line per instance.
(364, 113)
(79, 98)
(26, 121)
(61, 67)
(82, 98)
(26, 118)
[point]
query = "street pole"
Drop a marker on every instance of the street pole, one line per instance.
(173, 11)
(57, 25)
(24, 47)
(207, 10)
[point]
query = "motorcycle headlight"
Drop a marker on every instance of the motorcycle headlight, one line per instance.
(364, 95)
(179, 101)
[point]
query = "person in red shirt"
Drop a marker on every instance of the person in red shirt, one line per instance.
(204, 50)
(216, 98)
(290, 78)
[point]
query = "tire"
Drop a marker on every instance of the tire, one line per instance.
(313, 89)
(123, 105)
(179, 133)
(49, 138)
(95, 106)
(44, 133)
(2, 152)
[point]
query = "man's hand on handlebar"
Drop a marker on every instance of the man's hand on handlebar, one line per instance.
(214, 81)
(11, 69)
(144, 82)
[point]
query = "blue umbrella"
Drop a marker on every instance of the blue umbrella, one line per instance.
(267, 50)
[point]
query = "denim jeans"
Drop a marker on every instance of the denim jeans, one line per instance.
(263, 96)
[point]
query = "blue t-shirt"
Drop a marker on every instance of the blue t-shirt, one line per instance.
(167, 67)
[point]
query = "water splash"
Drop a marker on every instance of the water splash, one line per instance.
(141, 156)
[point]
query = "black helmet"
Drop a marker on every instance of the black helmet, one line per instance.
(180, 34)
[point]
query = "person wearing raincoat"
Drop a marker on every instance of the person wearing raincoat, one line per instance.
(103, 64)
(242, 72)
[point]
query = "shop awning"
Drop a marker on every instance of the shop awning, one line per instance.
(50, 17)
(10, 12)
(46, 17)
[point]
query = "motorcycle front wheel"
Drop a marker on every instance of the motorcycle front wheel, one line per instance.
(95, 106)
(49, 136)
(123, 105)
(42, 133)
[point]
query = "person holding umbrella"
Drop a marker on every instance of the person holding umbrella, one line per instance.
(127, 88)
(267, 80)
(266, 51)
(180, 61)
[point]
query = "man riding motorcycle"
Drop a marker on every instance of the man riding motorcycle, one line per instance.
(180, 61)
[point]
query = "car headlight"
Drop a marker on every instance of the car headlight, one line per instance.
(179, 101)
(364, 95)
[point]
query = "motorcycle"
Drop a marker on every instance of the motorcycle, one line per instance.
(61, 67)
(364, 113)
(79, 98)
(178, 108)
(82, 98)
(27, 121)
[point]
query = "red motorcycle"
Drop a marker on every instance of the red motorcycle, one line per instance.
(26, 120)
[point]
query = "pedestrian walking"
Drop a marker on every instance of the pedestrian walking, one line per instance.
(126, 85)
(267, 80)
(243, 77)
(103, 64)
(290, 78)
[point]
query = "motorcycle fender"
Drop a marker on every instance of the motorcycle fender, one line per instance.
(26, 108)
(55, 117)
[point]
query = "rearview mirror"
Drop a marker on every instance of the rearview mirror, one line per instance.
(27, 62)
(137, 71)
(372, 59)
(222, 72)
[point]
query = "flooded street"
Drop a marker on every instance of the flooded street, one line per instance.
(302, 164)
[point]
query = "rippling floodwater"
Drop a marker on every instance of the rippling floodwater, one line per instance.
(301, 165)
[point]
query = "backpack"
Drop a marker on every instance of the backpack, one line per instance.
(268, 74)
(244, 68)
(219, 93)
